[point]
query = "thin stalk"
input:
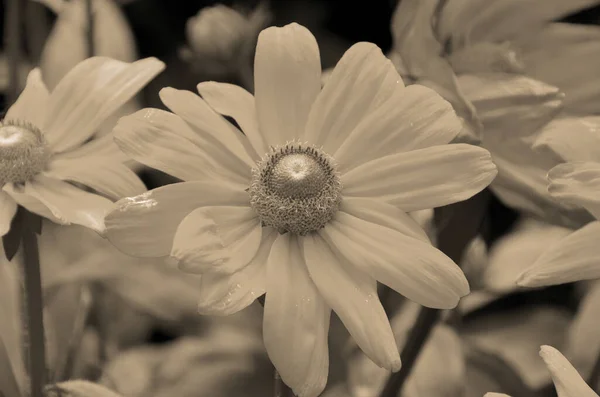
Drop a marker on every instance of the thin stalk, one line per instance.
(280, 388)
(89, 9)
(13, 47)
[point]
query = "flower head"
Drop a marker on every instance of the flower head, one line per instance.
(309, 205)
(44, 148)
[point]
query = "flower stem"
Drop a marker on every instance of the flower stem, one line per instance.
(13, 47)
(33, 332)
(281, 389)
(89, 12)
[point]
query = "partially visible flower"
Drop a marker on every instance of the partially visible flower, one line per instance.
(43, 144)
(267, 212)
(567, 381)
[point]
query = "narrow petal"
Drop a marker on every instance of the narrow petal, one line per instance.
(352, 294)
(567, 381)
(217, 239)
(145, 225)
(212, 132)
(223, 294)
(89, 94)
(296, 320)
(234, 101)
(411, 267)
(575, 257)
(412, 118)
(577, 184)
(571, 139)
(164, 141)
(32, 104)
(361, 81)
(102, 174)
(8, 208)
(68, 203)
(431, 177)
(287, 78)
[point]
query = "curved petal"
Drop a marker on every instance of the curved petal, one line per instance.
(352, 294)
(566, 379)
(411, 267)
(578, 184)
(571, 139)
(8, 209)
(145, 225)
(575, 257)
(25, 199)
(102, 146)
(296, 320)
(361, 81)
(164, 141)
(102, 174)
(212, 132)
(223, 294)
(90, 93)
(414, 117)
(217, 239)
(234, 101)
(424, 178)
(69, 203)
(32, 104)
(287, 79)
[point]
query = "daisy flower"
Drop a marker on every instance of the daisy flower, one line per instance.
(44, 148)
(309, 205)
(567, 381)
(503, 66)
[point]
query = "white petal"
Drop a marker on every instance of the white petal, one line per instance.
(212, 132)
(431, 177)
(89, 94)
(411, 267)
(223, 294)
(575, 257)
(412, 118)
(287, 79)
(25, 199)
(234, 101)
(102, 174)
(361, 81)
(217, 239)
(296, 320)
(571, 139)
(567, 381)
(32, 104)
(164, 141)
(145, 225)
(8, 209)
(577, 184)
(352, 294)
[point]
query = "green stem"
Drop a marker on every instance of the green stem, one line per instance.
(33, 332)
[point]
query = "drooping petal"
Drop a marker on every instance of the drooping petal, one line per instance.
(25, 199)
(32, 104)
(567, 381)
(145, 225)
(411, 267)
(217, 239)
(352, 294)
(575, 257)
(164, 141)
(69, 203)
(412, 118)
(424, 178)
(90, 93)
(287, 79)
(296, 320)
(223, 294)
(547, 52)
(577, 184)
(234, 101)
(212, 132)
(102, 174)
(361, 82)
(8, 208)
(103, 146)
(571, 139)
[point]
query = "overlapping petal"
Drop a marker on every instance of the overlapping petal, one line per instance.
(8, 208)
(32, 104)
(571, 139)
(577, 184)
(296, 320)
(566, 379)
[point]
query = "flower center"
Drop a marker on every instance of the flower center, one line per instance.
(295, 189)
(23, 151)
